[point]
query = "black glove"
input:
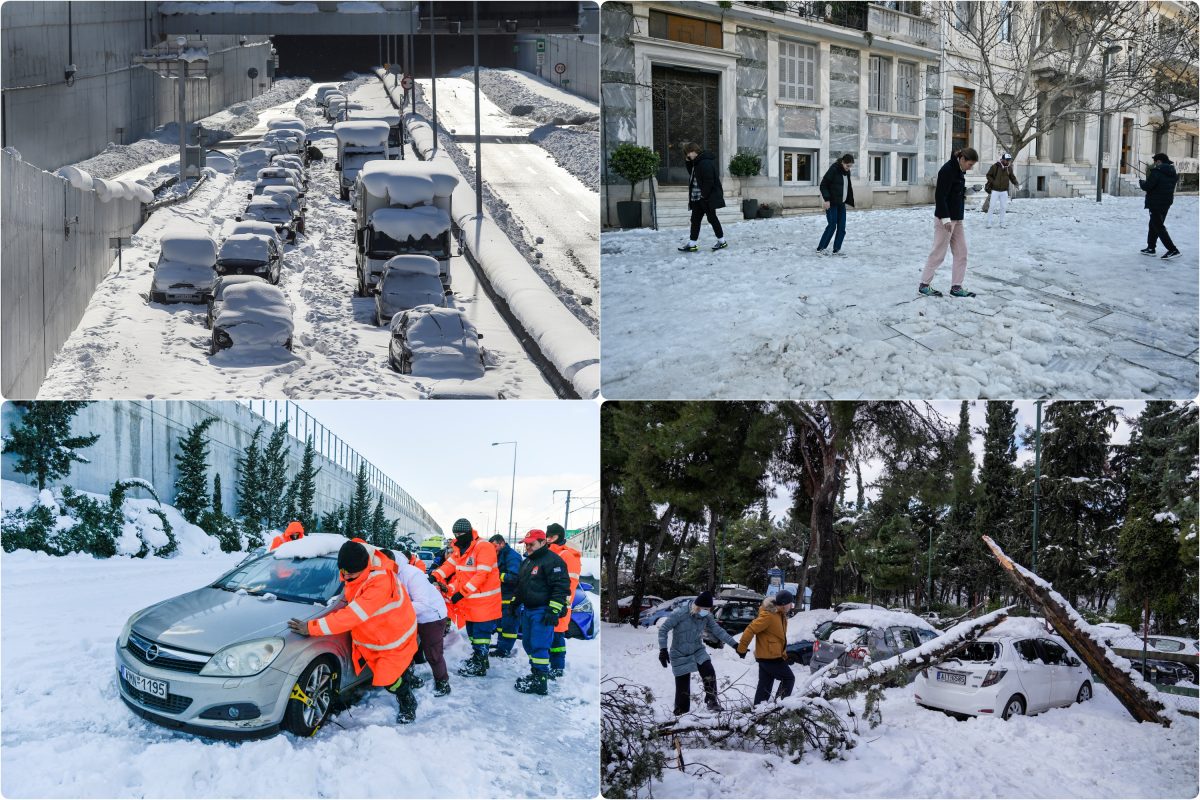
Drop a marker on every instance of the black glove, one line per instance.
(549, 616)
(454, 598)
(741, 653)
(433, 579)
(663, 657)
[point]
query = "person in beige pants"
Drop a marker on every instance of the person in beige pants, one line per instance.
(949, 202)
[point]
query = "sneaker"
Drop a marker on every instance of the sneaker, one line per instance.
(928, 291)
(1171, 254)
(838, 253)
(1148, 251)
(822, 252)
(441, 688)
(720, 245)
(689, 248)
(958, 291)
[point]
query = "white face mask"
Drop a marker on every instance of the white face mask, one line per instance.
(702, 612)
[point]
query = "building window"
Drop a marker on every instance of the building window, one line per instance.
(879, 87)
(797, 71)
(962, 14)
(906, 87)
(878, 164)
(799, 167)
(908, 169)
(686, 29)
(1192, 146)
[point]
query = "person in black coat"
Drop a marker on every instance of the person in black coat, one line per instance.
(949, 203)
(836, 193)
(1160, 193)
(705, 195)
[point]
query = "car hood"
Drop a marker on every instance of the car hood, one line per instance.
(207, 619)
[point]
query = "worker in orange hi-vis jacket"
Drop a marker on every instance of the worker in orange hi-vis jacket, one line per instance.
(291, 533)
(381, 620)
(574, 561)
(472, 563)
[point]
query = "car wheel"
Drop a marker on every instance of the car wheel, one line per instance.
(157, 297)
(1015, 707)
(378, 319)
(1085, 692)
(311, 699)
(208, 318)
(406, 365)
(344, 194)
(361, 289)
(574, 631)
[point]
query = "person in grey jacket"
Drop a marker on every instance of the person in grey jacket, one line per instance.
(688, 653)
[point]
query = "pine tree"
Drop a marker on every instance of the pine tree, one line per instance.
(274, 480)
(305, 487)
(191, 485)
(358, 516)
(383, 532)
(250, 494)
(1148, 553)
(958, 547)
(996, 506)
(334, 521)
(217, 508)
(42, 440)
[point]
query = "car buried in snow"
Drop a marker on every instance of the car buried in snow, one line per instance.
(408, 282)
(1016, 668)
(255, 226)
(250, 254)
(864, 635)
(252, 315)
(217, 298)
(277, 211)
(220, 661)
(186, 267)
(432, 342)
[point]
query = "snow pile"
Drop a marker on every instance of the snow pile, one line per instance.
(189, 246)
(311, 546)
(881, 618)
(245, 247)
(76, 177)
(361, 133)
(577, 150)
(512, 95)
(413, 264)
(401, 224)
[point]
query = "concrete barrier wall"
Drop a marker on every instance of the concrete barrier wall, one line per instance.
(139, 439)
(582, 59)
(111, 99)
(55, 253)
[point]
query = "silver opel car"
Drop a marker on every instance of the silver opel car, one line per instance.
(220, 661)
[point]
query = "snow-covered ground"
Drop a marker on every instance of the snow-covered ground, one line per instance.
(1066, 307)
(1094, 749)
(67, 733)
(125, 348)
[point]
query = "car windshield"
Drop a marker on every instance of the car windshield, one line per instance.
(270, 213)
(299, 580)
(435, 246)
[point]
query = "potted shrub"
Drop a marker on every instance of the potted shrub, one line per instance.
(768, 210)
(745, 165)
(634, 164)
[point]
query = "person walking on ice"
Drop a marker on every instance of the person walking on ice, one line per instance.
(998, 179)
(705, 195)
(687, 652)
(836, 193)
(949, 202)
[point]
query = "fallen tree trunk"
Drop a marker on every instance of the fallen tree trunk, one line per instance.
(1138, 697)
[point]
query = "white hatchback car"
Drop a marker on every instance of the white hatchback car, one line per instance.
(1016, 668)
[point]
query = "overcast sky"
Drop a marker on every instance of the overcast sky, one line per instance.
(440, 452)
(1026, 415)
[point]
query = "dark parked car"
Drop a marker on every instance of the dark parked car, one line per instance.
(733, 616)
(853, 635)
(626, 611)
(800, 652)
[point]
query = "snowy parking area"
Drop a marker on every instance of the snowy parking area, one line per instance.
(67, 733)
(1094, 749)
(1066, 307)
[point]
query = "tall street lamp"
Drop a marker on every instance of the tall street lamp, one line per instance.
(1109, 50)
(497, 504)
(513, 492)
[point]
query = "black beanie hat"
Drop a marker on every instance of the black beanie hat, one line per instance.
(461, 525)
(353, 557)
(704, 600)
(554, 528)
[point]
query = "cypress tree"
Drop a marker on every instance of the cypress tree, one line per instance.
(250, 505)
(996, 505)
(274, 480)
(305, 487)
(191, 486)
(358, 517)
(382, 534)
(42, 440)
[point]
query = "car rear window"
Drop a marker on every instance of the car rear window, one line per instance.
(305, 580)
(845, 634)
(982, 652)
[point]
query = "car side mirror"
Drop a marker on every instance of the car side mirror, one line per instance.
(237, 219)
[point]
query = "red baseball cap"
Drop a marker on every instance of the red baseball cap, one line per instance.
(534, 536)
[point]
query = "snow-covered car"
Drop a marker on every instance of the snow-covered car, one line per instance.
(289, 161)
(220, 661)
(408, 282)
(275, 210)
(862, 635)
(651, 616)
(625, 609)
(433, 342)
(1015, 668)
(250, 254)
(275, 170)
(186, 267)
(254, 158)
(323, 91)
(256, 226)
(285, 141)
(287, 123)
(459, 389)
(252, 315)
(217, 298)
(583, 615)
(277, 180)
(335, 109)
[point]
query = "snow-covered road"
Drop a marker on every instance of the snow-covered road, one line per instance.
(1094, 749)
(67, 734)
(124, 348)
(1066, 308)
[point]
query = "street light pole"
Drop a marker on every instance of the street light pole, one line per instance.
(432, 76)
(567, 514)
(478, 128)
(182, 42)
(497, 505)
(512, 496)
(1037, 480)
(1109, 49)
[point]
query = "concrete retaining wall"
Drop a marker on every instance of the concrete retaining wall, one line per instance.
(580, 57)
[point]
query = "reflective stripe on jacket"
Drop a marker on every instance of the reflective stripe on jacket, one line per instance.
(574, 561)
(477, 577)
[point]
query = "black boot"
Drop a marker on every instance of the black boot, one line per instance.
(556, 672)
(411, 679)
(710, 694)
(441, 688)
(407, 702)
(533, 683)
(474, 667)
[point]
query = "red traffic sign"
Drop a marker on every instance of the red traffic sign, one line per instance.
(406, 82)
(560, 68)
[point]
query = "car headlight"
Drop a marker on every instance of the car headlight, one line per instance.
(245, 659)
(583, 608)
(123, 639)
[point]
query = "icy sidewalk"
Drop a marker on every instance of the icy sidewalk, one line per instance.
(1066, 307)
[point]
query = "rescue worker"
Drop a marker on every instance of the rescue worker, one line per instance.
(414, 561)
(381, 620)
(431, 625)
(291, 533)
(557, 537)
(472, 562)
(508, 561)
(542, 594)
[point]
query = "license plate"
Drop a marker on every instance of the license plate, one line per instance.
(142, 683)
(952, 677)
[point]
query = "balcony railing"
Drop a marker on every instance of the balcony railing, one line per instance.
(879, 20)
(887, 22)
(843, 14)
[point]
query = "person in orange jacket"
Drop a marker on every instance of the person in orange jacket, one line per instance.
(291, 533)
(381, 620)
(574, 561)
(477, 590)
(412, 559)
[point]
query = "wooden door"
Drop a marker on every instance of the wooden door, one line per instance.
(960, 136)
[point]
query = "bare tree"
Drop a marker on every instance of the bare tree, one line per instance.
(1158, 66)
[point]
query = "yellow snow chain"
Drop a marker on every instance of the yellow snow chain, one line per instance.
(298, 694)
